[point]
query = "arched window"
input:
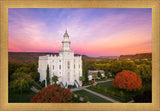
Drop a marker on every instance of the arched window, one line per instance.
(68, 65)
(60, 67)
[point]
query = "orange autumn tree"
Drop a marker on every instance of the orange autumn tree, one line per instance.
(127, 80)
(53, 94)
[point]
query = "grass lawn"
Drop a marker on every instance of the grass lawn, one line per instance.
(92, 98)
(127, 95)
(18, 98)
(104, 79)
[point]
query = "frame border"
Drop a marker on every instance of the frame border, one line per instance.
(5, 4)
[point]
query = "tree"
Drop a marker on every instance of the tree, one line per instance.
(43, 83)
(115, 68)
(32, 66)
(85, 99)
(128, 66)
(12, 67)
(20, 83)
(85, 70)
(53, 94)
(145, 73)
(94, 75)
(54, 79)
(99, 75)
(48, 76)
(36, 76)
(127, 80)
(23, 69)
(82, 79)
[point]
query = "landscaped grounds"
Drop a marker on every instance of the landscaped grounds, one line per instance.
(92, 98)
(108, 90)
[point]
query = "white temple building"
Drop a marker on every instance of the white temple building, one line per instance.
(66, 66)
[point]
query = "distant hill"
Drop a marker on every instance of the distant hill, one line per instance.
(33, 56)
(26, 56)
(141, 55)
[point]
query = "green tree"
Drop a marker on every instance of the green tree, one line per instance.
(85, 70)
(94, 75)
(23, 69)
(54, 79)
(85, 99)
(82, 78)
(99, 75)
(32, 66)
(43, 83)
(36, 76)
(115, 68)
(128, 66)
(48, 76)
(145, 73)
(20, 82)
(12, 67)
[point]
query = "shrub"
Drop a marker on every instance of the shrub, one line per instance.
(105, 90)
(98, 87)
(70, 86)
(127, 80)
(85, 99)
(146, 97)
(113, 93)
(53, 94)
(121, 94)
(78, 96)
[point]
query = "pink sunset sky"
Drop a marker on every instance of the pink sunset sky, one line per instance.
(93, 32)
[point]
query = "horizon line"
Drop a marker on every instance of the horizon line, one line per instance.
(85, 54)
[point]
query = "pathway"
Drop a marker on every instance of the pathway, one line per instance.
(132, 101)
(76, 89)
(34, 89)
(100, 95)
(80, 88)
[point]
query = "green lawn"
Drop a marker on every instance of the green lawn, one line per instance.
(127, 95)
(92, 98)
(18, 98)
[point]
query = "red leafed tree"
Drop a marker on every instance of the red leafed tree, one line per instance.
(127, 80)
(53, 94)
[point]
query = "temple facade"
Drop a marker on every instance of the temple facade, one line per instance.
(66, 66)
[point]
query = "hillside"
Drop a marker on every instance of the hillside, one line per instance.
(33, 56)
(25, 56)
(141, 55)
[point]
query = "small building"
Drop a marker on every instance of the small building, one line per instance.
(90, 73)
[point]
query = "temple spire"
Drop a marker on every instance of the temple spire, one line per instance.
(66, 34)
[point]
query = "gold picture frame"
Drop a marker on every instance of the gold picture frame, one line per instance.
(5, 4)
